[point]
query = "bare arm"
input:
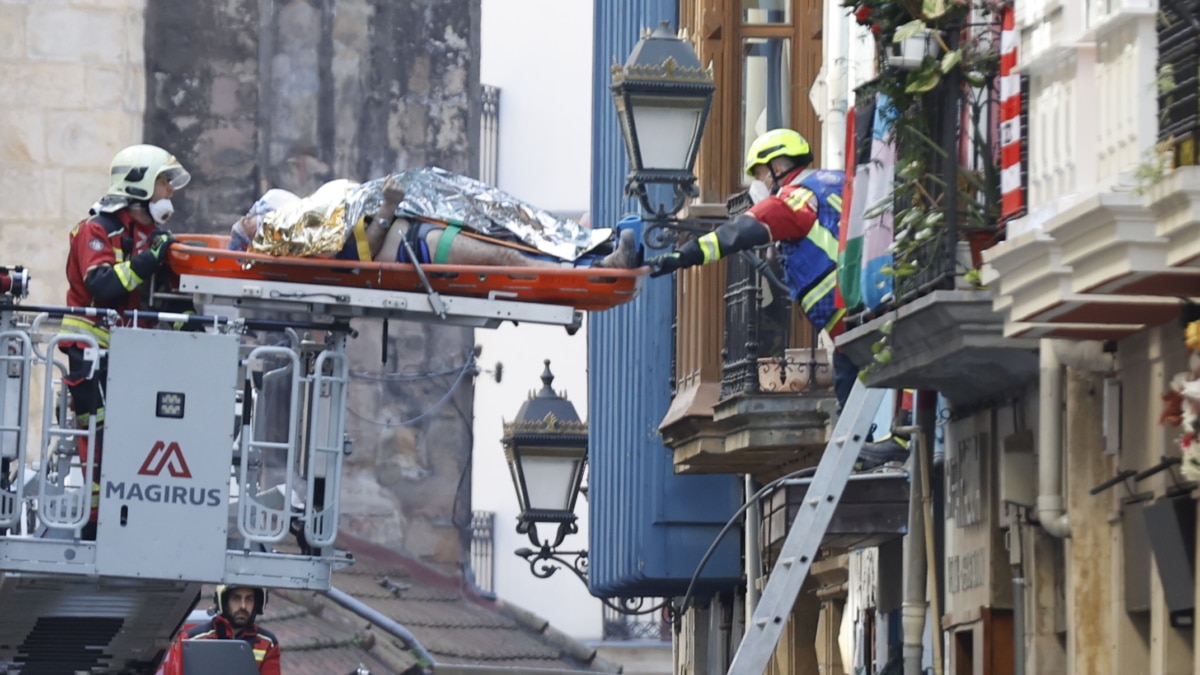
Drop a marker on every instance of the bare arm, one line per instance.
(378, 228)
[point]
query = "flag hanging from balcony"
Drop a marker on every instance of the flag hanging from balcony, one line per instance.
(866, 228)
(850, 247)
(877, 222)
(1012, 191)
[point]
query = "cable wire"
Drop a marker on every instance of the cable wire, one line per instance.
(737, 516)
(467, 367)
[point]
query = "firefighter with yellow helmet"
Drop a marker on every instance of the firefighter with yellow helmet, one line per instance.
(800, 213)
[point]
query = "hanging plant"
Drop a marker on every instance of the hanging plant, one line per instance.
(1181, 405)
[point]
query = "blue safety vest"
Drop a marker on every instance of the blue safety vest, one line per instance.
(810, 264)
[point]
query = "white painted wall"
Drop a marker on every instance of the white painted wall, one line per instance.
(538, 52)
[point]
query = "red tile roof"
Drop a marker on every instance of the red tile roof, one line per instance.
(453, 622)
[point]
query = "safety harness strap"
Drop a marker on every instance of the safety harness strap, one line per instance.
(442, 254)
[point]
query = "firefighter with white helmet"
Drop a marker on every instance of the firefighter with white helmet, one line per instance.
(237, 607)
(113, 254)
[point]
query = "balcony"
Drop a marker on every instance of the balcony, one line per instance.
(938, 321)
(1116, 259)
(774, 406)
(872, 511)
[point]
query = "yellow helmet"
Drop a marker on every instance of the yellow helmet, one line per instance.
(135, 169)
(775, 143)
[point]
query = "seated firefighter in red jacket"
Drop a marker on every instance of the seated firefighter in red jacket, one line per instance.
(237, 608)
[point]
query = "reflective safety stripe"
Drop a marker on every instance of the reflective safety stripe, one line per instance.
(78, 324)
(81, 419)
(836, 202)
(129, 279)
(835, 318)
(798, 199)
(823, 239)
(260, 654)
(95, 495)
(819, 291)
(710, 247)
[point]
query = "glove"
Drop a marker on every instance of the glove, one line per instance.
(665, 263)
(160, 244)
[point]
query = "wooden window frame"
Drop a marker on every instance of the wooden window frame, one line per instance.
(718, 33)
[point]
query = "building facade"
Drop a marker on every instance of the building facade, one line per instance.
(1040, 310)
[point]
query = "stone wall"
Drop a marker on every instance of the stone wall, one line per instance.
(252, 94)
(72, 83)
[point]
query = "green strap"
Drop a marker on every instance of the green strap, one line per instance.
(443, 247)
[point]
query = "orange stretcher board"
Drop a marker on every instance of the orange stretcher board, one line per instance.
(583, 288)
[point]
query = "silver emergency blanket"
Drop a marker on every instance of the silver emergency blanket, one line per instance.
(320, 223)
(441, 195)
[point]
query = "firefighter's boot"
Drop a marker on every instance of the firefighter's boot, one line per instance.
(625, 256)
(890, 448)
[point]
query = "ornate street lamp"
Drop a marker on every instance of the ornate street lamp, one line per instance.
(662, 95)
(546, 450)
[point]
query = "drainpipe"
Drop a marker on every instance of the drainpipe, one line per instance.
(1051, 511)
(753, 554)
(913, 610)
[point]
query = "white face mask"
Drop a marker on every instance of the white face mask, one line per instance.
(758, 191)
(161, 210)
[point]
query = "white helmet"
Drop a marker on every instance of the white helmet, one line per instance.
(135, 169)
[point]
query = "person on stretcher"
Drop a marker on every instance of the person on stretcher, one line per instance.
(435, 215)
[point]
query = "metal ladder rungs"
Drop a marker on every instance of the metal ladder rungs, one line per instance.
(804, 537)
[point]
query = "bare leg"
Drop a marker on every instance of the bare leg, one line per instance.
(471, 251)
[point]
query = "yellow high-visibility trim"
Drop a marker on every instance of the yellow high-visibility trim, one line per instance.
(360, 239)
(260, 654)
(129, 279)
(836, 202)
(81, 419)
(824, 240)
(78, 324)
(819, 291)
(837, 316)
(710, 247)
(799, 198)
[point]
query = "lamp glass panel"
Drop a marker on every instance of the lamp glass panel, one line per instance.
(628, 135)
(766, 11)
(549, 481)
(666, 131)
(766, 89)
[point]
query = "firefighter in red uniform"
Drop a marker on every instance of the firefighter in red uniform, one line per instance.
(113, 254)
(237, 607)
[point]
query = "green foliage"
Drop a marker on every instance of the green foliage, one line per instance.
(918, 193)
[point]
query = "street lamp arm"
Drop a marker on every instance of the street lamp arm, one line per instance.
(577, 563)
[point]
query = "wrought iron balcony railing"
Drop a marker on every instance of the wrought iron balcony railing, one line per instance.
(768, 346)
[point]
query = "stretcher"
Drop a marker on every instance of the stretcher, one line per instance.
(583, 288)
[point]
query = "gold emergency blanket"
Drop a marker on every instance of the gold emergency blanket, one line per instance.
(314, 226)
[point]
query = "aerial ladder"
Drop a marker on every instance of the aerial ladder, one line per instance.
(808, 529)
(222, 460)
